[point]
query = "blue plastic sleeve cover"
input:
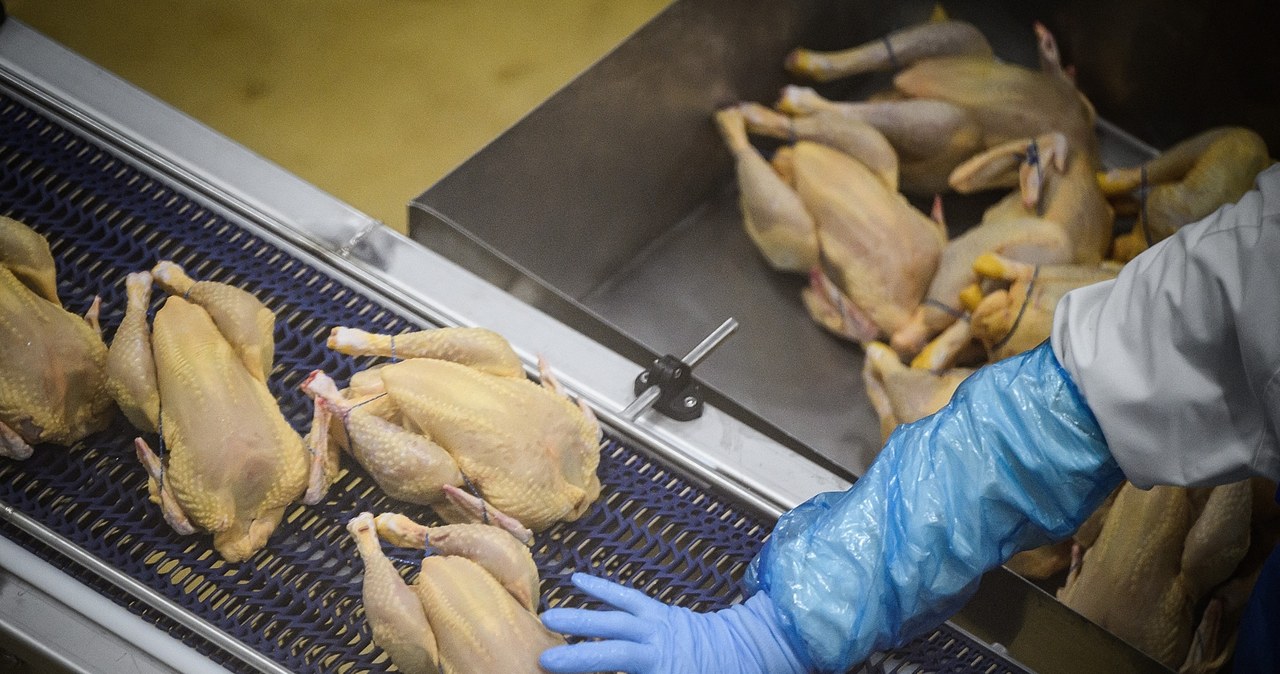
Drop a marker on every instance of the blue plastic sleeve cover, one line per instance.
(1015, 460)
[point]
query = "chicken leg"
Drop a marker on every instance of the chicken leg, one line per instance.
(898, 49)
(497, 551)
(1186, 183)
(930, 137)
(131, 369)
(851, 136)
(408, 466)
(772, 213)
(244, 322)
(395, 614)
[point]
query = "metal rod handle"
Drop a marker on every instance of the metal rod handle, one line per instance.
(711, 341)
(646, 400)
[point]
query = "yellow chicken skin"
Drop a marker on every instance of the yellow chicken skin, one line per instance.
(524, 448)
(1057, 215)
(1184, 184)
(878, 253)
(1162, 551)
(1010, 321)
(232, 463)
(52, 362)
(26, 255)
(457, 616)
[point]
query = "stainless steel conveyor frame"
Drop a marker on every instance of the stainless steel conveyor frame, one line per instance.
(54, 620)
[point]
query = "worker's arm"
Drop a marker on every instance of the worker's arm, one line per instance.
(1013, 461)
(1178, 356)
(1016, 459)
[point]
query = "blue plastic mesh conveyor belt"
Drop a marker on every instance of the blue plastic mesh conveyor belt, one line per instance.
(298, 600)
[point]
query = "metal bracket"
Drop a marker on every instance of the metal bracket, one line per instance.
(668, 384)
(679, 397)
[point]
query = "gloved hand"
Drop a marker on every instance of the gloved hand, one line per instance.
(1015, 460)
(649, 637)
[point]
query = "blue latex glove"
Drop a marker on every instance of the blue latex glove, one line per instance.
(649, 637)
(1015, 460)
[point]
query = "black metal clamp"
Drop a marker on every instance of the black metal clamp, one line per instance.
(668, 384)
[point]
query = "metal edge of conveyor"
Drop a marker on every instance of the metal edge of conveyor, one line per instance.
(321, 230)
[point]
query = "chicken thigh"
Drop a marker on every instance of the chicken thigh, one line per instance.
(523, 448)
(232, 463)
(52, 362)
(458, 616)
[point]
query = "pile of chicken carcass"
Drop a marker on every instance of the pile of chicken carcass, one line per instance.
(453, 423)
(1167, 569)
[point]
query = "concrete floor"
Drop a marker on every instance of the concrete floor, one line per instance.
(372, 101)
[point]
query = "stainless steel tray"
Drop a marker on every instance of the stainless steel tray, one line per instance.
(613, 207)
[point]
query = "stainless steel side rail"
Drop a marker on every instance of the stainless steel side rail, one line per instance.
(180, 657)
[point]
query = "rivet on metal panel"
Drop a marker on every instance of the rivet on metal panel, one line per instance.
(345, 249)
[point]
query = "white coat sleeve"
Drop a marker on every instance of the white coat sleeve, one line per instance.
(1178, 356)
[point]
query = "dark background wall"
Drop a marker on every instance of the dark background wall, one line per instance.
(1165, 70)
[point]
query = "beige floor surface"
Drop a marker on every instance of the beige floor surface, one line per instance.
(372, 101)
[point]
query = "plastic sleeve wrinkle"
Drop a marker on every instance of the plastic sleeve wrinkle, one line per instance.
(1015, 460)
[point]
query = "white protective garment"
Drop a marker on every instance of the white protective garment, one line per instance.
(1179, 356)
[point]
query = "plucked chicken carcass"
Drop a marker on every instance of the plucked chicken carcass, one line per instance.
(1160, 553)
(52, 362)
(471, 609)
(874, 252)
(232, 463)
(1184, 184)
(951, 63)
(459, 411)
(1057, 215)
